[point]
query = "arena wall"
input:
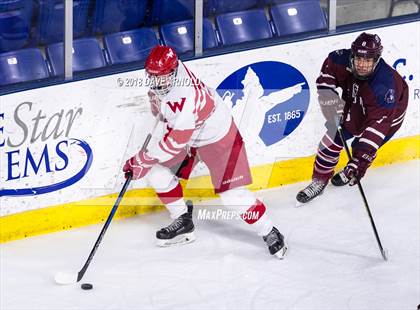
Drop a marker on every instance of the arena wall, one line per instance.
(62, 147)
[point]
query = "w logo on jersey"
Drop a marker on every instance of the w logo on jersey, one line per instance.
(176, 105)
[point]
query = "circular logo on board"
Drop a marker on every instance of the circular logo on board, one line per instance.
(268, 99)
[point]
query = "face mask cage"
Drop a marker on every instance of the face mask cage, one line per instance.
(354, 70)
(161, 85)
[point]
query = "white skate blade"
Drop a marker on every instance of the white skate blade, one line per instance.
(299, 204)
(178, 240)
(64, 278)
(282, 253)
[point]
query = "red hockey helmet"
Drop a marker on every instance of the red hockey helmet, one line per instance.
(161, 68)
(368, 48)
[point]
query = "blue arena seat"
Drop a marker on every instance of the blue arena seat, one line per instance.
(118, 15)
(298, 16)
(169, 11)
(180, 35)
(243, 26)
(87, 54)
(21, 66)
(49, 27)
(128, 46)
(226, 6)
(15, 24)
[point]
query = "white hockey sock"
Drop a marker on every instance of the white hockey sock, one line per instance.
(245, 203)
(176, 208)
(263, 226)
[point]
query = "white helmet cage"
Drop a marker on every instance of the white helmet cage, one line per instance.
(161, 85)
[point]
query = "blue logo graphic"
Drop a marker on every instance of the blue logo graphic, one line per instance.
(45, 159)
(269, 100)
(403, 62)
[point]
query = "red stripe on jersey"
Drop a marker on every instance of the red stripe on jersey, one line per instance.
(170, 146)
(179, 136)
(164, 147)
(203, 111)
(194, 84)
(207, 110)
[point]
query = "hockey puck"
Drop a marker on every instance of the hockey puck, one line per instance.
(86, 286)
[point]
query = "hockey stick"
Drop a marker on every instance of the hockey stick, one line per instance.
(71, 278)
(359, 185)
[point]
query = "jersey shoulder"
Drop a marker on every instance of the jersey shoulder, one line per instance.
(384, 84)
(340, 57)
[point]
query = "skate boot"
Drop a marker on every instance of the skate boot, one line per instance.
(311, 191)
(275, 242)
(340, 179)
(180, 231)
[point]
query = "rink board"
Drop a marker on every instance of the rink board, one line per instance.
(62, 147)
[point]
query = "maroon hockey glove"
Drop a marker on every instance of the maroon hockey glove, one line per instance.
(351, 173)
(139, 165)
(357, 166)
(331, 105)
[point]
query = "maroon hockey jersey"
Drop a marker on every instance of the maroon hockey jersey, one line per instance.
(375, 107)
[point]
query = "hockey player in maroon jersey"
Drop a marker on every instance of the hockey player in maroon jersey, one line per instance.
(371, 109)
(199, 126)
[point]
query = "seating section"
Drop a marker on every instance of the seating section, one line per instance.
(298, 16)
(243, 26)
(50, 18)
(169, 11)
(118, 15)
(128, 46)
(227, 6)
(15, 24)
(87, 55)
(180, 35)
(21, 66)
(129, 29)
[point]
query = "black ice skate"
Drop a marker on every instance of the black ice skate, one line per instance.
(180, 231)
(340, 179)
(311, 191)
(275, 242)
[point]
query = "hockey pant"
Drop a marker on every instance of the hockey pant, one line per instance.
(328, 153)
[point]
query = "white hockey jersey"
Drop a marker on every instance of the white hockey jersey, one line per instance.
(195, 115)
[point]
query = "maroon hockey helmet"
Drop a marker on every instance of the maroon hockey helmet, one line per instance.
(161, 69)
(367, 45)
(366, 51)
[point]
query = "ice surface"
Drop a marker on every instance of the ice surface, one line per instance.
(333, 260)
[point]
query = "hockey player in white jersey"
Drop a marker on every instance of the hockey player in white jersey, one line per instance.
(199, 127)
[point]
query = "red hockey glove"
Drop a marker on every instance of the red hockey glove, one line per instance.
(331, 105)
(139, 165)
